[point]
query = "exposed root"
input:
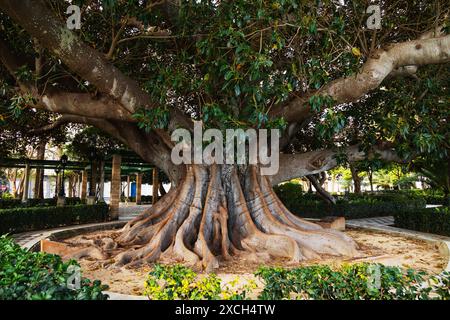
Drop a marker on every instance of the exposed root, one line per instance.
(213, 216)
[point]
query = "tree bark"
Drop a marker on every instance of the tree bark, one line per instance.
(219, 213)
(155, 185)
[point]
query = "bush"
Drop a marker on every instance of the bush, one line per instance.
(36, 218)
(50, 202)
(352, 282)
(178, 282)
(432, 220)
(28, 275)
(144, 199)
(350, 206)
(361, 281)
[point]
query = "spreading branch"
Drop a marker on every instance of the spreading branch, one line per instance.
(299, 165)
(395, 59)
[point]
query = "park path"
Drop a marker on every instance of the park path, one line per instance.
(127, 212)
(372, 222)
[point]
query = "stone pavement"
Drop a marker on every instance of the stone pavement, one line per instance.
(377, 221)
(127, 212)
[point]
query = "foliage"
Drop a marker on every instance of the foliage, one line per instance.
(36, 218)
(351, 282)
(431, 220)
(26, 275)
(9, 202)
(436, 173)
(177, 282)
(91, 139)
(349, 206)
(362, 281)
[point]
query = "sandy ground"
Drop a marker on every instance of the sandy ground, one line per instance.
(374, 247)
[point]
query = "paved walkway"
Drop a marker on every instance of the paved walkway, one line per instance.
(376, 222)
(30, 239)
(127, 212)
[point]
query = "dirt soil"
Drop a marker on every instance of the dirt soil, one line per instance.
(374, 246)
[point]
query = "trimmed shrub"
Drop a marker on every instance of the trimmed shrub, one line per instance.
(144, 199)
(26, 275)
(361, 281)
(431, 220)
(36, 218)
(177, 282)
(350, 206)
(17, 203)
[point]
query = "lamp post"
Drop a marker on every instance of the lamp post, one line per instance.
(63, 160)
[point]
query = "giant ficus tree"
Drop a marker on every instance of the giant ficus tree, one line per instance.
(140, 69)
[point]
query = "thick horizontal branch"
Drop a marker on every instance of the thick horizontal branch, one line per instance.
(396, 59)
(88, 63)
(299, 165)
(146, 145)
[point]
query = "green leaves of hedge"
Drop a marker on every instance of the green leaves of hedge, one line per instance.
(35, 218)
(28, 275)
(431, 220)
(352, 282)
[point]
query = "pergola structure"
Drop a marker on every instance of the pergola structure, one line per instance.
(112, 168)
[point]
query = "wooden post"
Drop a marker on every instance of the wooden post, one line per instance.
(138, 188)
(155, 185)
(84, 178)
(115, 187)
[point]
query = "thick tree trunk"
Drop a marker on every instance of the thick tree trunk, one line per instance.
(370, 173)
(217, 213)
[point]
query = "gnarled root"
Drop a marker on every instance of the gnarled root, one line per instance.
(214, 216)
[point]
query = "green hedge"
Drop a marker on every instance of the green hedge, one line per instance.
(36, 218)
(361, 281)
(350, 206)
(432, 220)
(17, 203)
(26, 275)
(144, 199)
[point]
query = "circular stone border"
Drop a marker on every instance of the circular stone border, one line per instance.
(33, 244)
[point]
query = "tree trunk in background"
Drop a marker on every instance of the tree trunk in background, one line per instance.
(370, 174)
(162, 191)
(325, 195)
(39, 179)
(93, 181)
(356, 179)
(12, 178)
(219, 213)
